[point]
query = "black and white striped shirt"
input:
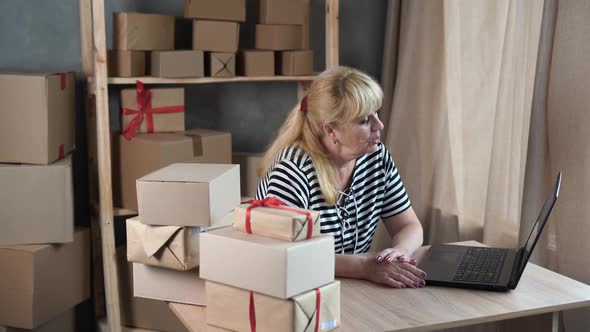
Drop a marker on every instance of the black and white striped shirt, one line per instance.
(376, 191)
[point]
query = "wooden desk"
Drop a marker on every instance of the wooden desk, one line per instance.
(366, 306)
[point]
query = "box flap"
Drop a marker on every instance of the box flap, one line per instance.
(185, 172)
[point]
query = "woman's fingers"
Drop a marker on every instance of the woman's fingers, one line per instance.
(392, 254)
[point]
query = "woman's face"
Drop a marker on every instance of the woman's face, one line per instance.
(359, 137)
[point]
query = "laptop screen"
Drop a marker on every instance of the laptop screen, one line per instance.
(539, 224)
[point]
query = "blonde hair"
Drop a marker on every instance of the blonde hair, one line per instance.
(337, 96)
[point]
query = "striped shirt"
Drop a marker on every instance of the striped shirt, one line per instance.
(376, 191)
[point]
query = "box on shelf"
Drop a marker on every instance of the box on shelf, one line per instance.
(143, 32)
(230, 308)
(264, 265)
(122, 63)
(278, 37)
(256, 63)
(279, 222)
(248, 167)
(64, 322)
(226, 10)
(294, 63)
(39, 282)
(37, 203)
(282, 12)
(188, 194)
(146, 153)
(37, 122)
(177, 64)
(216, 36)
(163, 111)
(158, 283)
(221, 64)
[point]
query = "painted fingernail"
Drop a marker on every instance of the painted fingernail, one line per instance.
(415, 285)
(389, 259)
(379, 258)
(403, 286)
(423, 274)
(422, 282)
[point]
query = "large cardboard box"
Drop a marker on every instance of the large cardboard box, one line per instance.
(158, 283)
(228, 10)
(230, 308)
(173, 64)
(282, 12)
(65, 322)
(36, 203)
(216, 36)
(293, 63)
(188, 194)
(221, 64)
(38, 282)
(143, 32)
(146, 153)
(165, 107)
(278, 37)
(36, 117)
(122, 63)
(264, 265)
(149, 314)
(256, 63)
(249, 178)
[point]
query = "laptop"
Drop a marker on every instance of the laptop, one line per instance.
(497, 269)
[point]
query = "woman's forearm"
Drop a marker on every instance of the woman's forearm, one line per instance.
(410, 238)
(351, 266)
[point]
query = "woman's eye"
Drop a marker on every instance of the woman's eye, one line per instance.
(364, 120)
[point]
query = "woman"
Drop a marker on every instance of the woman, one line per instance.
(328, 157)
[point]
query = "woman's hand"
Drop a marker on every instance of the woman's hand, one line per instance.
(394, 273)
(395, 254)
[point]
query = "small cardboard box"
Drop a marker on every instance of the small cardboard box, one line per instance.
(256, 63)
(38, 282)
(230, 308)
(65, 322)
(294, 63)
(188, 194)
(276, 223)
(143, 32)
(216, 36)
(221, 64)
(225, 10)
(175, 64)
(36, 203)
(160, 100)
(264, 265)
(146, 153)
(282, 12)
(278, 37)
(126, 63)
(158, 283)
(37, 122)
(249, 178)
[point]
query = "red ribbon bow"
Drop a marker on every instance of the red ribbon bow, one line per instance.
(144, 106)
(273, 202)
(252, 311)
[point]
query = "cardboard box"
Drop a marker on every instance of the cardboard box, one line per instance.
(146, 153)
(228, 10)
(149, 314)
(39, 282)
(278, 37)
(177, 64)
(276, 223)
(294, 63)
(216, 36)
(172, 247)
(256, 63)
(36, 203)
(168, 285)
(229, 307)
(37, 121)
(264, 265)
(282, 12)
(249, 178)
(143, 32)
(65, 322)
(188, 194)
(221, 64)
(122, 63)
(160, 102)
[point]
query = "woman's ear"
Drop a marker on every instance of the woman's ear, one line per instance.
(328, 129)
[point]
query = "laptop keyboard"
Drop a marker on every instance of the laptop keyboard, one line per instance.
(481, 265)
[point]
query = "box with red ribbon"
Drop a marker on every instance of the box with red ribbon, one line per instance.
(146, 110)
(241, 310)
(272, 218)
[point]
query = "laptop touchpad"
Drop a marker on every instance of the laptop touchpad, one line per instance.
(442, 263)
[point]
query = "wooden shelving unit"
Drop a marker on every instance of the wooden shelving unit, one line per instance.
(93, 40)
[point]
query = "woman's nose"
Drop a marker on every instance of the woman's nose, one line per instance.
(377, 125)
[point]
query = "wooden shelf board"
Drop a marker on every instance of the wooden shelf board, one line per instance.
(203, 80)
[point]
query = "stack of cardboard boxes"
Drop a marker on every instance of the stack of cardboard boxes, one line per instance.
(45, 261)
(280, 277)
